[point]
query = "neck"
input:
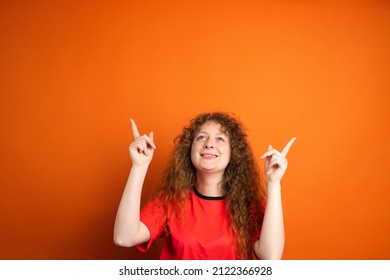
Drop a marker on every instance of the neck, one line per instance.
(209, 184)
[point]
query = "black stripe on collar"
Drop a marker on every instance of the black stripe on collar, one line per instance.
(198, 194)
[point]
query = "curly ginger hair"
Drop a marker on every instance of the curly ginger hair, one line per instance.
(241, 181)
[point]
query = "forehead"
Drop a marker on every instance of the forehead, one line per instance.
(211, 126)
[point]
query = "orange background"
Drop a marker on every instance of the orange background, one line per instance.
(74, 72)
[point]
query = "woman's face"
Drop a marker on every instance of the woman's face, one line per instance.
(210, 151)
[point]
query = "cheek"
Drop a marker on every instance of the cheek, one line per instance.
(193, 148)
(227, 151)
(229, 154)
(193, 152)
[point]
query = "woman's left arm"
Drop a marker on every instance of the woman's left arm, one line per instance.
(271, 242)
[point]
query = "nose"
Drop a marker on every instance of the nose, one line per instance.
(209, 144)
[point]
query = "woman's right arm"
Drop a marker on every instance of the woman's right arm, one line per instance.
(129, 230)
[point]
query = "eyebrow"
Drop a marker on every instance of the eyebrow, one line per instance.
(218, 133)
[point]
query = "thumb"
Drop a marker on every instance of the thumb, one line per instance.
(270, 148)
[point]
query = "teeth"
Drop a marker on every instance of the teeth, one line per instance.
(210, 155)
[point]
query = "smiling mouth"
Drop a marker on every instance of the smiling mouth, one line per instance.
(208, 155)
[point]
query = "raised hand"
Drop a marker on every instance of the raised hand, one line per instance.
(275, 164)
(142, 149)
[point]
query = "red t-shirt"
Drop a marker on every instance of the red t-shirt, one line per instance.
(203, 233)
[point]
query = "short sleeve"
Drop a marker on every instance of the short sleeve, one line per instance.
(154, 218)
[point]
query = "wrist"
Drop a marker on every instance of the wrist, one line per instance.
(140, 168)
(272, 185)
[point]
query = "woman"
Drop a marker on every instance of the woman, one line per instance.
(209, 204)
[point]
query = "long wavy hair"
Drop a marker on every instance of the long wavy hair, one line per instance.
(241, 182)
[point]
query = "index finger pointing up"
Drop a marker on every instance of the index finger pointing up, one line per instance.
(288, 146)
(135, 129)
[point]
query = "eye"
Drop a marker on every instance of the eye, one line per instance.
(200, 137)
(220, 139)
